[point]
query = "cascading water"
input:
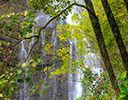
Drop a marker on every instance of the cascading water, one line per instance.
(41, 20)
(74, 84)
(54, 40)
(24, 54)
(43, 42)
(70, 82)
(75, 88)
(78, 85)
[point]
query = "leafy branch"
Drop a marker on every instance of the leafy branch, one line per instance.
(55, 18)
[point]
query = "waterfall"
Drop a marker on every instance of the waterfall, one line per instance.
(74, 84)
(70, 82)
(78, 84)
(75, 88)
(43, 42)
(54, 40)
(43, 51)
(41, 20)
(24, 54)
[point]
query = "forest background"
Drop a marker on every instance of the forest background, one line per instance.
(103, 23)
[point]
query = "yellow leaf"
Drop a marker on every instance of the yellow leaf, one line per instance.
(24, 65)
(33, 65)
(1, 95)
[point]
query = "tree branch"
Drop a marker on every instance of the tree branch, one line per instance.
(23, 39)
(47, 25)
(49, 22)
(89, 10)
(31, 50)
(63, 12)
(55, 17)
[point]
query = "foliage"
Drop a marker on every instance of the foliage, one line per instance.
(123, 86)
(83, 24)
(16, 26)
(95, 88)
(8, 79)
(80, 37)
(51, 7)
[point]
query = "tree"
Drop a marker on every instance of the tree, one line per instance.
(18, 28)
(126, 3)
(116, 33)
(104, 53)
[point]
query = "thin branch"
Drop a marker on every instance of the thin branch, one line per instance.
(47, 25)
(63, 12)
(82, 65)
(49, 22)
(31, 50)
(94, 74)
(55, 17)
(16, 44)
(22, 40)
(59, 14)
(1, 32)
(89, 10)
(11, 37)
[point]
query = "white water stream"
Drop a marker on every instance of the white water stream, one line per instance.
(74, 85)
(24, 54)
(75, 88)
(54, 41)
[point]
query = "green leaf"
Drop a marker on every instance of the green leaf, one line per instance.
(46, 85)
(126, 80)
(28, 79)
(123, 75)
(41, 92)
(12, 81)
(123, 87)
(42, 80)
(20, 80)
(21, 34)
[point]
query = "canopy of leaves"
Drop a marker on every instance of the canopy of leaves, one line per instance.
(21, 25)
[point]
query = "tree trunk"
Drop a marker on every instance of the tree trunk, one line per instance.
(126, 3)
(116, 33)
(101, 44)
